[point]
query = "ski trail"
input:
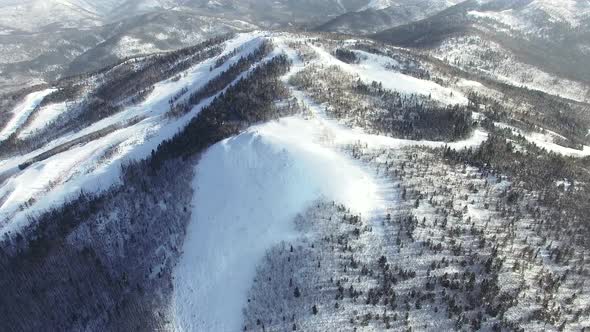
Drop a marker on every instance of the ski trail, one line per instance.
(22, 111)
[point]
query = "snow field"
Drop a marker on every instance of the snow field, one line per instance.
(44, 116)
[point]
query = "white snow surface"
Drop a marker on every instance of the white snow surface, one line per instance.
(248, 189)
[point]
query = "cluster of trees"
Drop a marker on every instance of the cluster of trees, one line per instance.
(223, 59)
(66, 91)
(218, 83)
(482, 249)
(537, 170)
(91, 263)
(412, 116)
(250, 100)
(346, 55)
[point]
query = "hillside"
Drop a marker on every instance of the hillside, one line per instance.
(277, 181)
(539, 44)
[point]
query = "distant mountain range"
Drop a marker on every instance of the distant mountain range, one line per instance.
(44, 40)
(517, 41)
(382, 15)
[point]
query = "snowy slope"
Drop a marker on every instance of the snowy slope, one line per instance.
(44, 116)
(545, 140)
(22, 111)
(248, 191)
(373, 68)
(95, 165)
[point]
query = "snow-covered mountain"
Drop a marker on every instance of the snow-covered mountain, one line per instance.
(539, 44)
(176, 166)
(534, 16)
(280, 181)
(37, 15)
(382, 4)
(43, 40)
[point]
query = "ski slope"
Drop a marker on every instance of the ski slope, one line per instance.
(22, 111)
(95, 166)
(373, 67)
(44, 116)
